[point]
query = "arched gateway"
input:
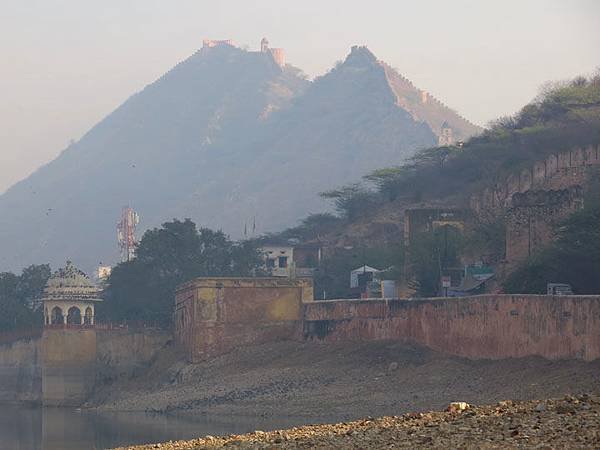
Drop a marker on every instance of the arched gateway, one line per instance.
(69, 298)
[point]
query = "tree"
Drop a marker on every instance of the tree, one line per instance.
(433, 254)
(573, 258)
(351, 201)
(143, 289)
(17, 296)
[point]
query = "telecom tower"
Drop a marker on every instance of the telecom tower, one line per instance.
(126, 233)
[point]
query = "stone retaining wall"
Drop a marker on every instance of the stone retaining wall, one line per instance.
(479, 327)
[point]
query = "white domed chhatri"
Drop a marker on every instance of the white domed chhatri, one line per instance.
(69, 298)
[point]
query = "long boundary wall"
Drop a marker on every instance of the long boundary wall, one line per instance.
(479, 327)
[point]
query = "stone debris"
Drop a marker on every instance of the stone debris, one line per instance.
(458, 407)
(569, 422)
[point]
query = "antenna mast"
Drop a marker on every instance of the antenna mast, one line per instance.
(126, 233)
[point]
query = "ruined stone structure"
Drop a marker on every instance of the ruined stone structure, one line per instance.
(533, 216)
(216, 315)
(278, 54)
(210, 43)
(558, 171)
(446, 136)
(537, 198)
(420, 220)
(478, 327)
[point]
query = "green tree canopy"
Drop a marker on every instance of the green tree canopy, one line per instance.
(351, 201)
(17, 296)
(143, 289)
(574, 258)
(433, 254)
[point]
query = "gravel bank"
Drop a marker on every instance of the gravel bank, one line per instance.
(569, 422)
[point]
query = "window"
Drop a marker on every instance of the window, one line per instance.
(282, 262)
(270, 263)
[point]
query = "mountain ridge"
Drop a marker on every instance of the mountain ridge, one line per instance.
(225, 137)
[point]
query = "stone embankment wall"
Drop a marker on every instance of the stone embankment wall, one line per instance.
(124, 353)
(63, 366)
(68, 366)
(20, 372)
(479, 327)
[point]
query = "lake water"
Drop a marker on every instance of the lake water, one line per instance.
(23, 428)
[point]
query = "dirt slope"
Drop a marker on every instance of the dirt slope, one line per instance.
(339, 382)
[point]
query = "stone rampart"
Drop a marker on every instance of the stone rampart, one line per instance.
(533, 218)
(68, 366)
(558, 171)
(479, 327)
(20, 371)
(63, 366)
(125, 353)
(216, 315)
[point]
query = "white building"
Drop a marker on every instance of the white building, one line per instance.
(366, 272)
(279, 260)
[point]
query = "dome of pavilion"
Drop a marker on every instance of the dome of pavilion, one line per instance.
(69, 298)
(70, 284)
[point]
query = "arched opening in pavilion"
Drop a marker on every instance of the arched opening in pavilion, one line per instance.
(88, 316)
(74, 316)
(57, 316)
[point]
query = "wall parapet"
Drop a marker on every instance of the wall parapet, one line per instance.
(215, 315)
(478, 327)
(560, 170)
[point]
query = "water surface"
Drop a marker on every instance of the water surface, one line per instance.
(27, 428)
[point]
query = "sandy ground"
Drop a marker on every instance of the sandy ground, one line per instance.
(338, 382)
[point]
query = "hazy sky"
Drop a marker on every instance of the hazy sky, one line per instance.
(65, 64)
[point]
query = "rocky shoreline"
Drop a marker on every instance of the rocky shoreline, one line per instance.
(568, 422)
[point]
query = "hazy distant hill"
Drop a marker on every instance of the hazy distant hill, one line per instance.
(224, 137)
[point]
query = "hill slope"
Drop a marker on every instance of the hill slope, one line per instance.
(225, 136)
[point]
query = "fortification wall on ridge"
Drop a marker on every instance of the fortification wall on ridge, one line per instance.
(533, 217)
(558, 171)
(479, 327)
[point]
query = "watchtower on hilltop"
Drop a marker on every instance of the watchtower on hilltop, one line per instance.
(264, 45)
(278, 54)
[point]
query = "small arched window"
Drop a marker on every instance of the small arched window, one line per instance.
(57, 316)
(74, 316)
